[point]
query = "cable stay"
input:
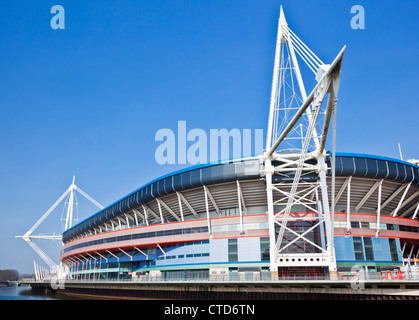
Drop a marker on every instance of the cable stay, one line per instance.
(70, 203)
(300, 122)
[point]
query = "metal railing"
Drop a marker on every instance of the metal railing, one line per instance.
(392, 276)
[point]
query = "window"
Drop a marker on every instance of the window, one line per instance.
(195, 255)
(365, 225)
(264, 249)
(229, 212)
(369, 252)
(340, 224)
(232, 250)
(408, 228)
(139, 236)
(394, 227)
(393, 250)
(382, 226)
(359, 252)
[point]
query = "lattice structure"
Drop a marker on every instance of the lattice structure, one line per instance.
(300, 123)
(70, 204)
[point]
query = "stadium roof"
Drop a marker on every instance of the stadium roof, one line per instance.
(347, 164)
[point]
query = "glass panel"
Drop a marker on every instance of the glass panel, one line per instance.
(369, 252)
(393, 250)
(264, 249)
(359, 252)
(232, 250)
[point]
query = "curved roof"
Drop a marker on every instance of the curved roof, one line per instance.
(369, 166)
(347, 164)
(192, 177)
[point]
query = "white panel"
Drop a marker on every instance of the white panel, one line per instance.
(249, 249)
(219, 250)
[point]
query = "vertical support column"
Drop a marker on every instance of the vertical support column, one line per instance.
(379, 208)
(271, 218)
(180, 205)
(207, 210)
(36, 271)
(325, 199)
(161, 213)
(136, 218)
(327, 219)
(126, 217)
(321, 218)
(240, 206)
(145, 213)
(348, 206)
(69, 218)
(333, 161)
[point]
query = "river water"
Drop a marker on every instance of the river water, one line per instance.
(25, 293)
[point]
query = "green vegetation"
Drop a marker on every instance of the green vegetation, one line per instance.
(9, 275)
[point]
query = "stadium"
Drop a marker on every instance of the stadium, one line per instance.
(212, 221)
(296, 212)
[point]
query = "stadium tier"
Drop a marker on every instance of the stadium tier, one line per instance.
(211, 221)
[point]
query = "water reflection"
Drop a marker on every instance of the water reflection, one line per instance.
(26, 293)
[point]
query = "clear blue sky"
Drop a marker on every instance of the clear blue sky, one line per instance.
(88, 100)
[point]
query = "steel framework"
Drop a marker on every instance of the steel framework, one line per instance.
(28, 237)
(301, 116)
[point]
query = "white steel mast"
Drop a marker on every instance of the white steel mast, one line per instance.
(28, 237)
(292, 192)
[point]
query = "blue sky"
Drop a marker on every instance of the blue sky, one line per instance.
(88, 100)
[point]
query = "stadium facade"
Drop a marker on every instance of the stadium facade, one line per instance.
(291, 211)
(212, 221)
